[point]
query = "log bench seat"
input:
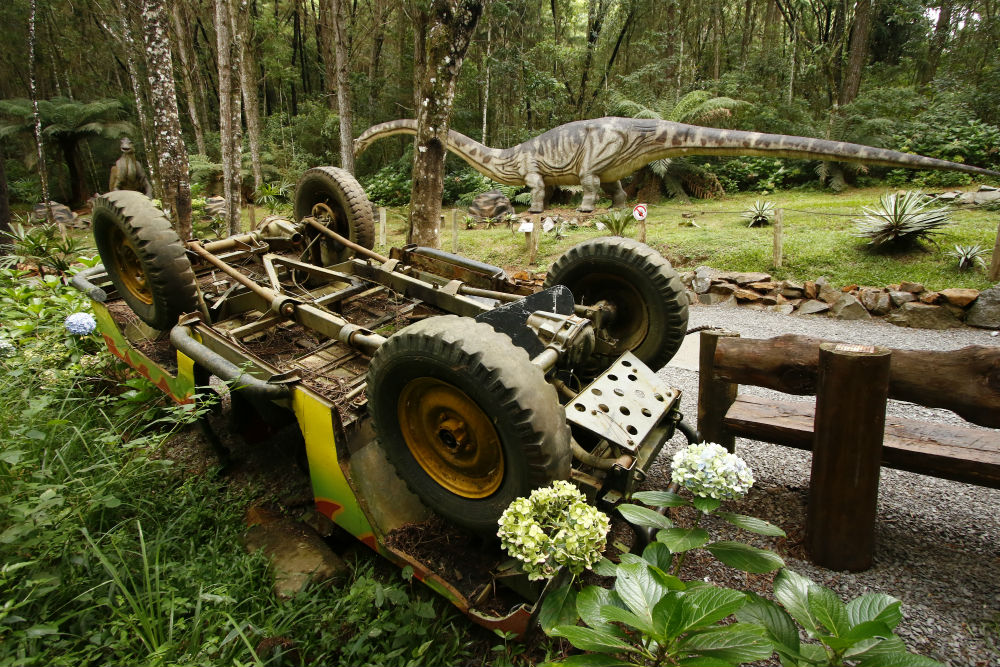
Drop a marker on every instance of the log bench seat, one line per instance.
(847, 429)
(949, 451)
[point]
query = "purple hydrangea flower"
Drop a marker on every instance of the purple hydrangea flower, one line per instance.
(81, 324)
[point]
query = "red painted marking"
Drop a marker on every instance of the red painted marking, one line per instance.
(328, 508)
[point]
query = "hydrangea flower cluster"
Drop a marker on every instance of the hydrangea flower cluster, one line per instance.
(81, 324)
(7, 348)
(554, 527)
(707, 469)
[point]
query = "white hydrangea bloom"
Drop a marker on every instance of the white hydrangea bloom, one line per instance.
(81, 324)
(707, 469)
(554, 527)
(7, 348)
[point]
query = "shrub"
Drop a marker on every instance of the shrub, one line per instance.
(617, 221)
(760, 213)
(968, 256)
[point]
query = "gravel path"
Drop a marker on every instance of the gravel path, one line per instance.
(937, 542)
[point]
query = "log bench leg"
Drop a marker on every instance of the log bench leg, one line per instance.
(714, 396)
(852, 389)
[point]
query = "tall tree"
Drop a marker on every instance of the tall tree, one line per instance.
(343, 85)
(172, 155)
(230, 128)
(857, 56)
(190, 80)
(449, 31)
(43, 175)
(248, 86)
(928, 68)
(4, 198)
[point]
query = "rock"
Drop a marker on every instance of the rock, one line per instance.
(791, 289)
(711, 298)
(915, 288)
(874, 300)
(298, 555)
(742, 279)
(687, 277)
(765, 286)
(794, 303)
(812, 307)
(899, 297)
(784, 309)
(960, 297)
(923, 316)
(930, 298)
(768, 300)
(830, 295)
(492, 206)
(985, 312)
(692, 297)
(60, 212)
(725, 289)
(810, 289)
(849, 288)
(746, 295)
(979, 198)
(702, 279)
(849, 308)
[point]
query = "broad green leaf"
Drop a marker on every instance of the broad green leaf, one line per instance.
(900, 659)
(660, 498)
(875, 607)
(668, 581)
(753, 524)
(658, 555)
(705, 606)
(745, 557)
(779, 625)
(605, 568)
(827, 608)
(638, 589)
(631, 559)
(558, 608)
(588, 605)
(737, 643)
(644, 517)
(588, 660)
(706, 505)
(682, 539)
(588, 639)
(704, 661)
(792, 591)
(668, 615)
(863, 632)
(619, 615)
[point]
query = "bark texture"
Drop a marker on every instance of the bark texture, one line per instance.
(172, 161)
(248, 85)
(449, 30)
(189, 75)
(343, 85)
(43, 175)
(230, 127)
(858, 51)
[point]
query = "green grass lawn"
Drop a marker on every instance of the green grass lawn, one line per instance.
(815, 243)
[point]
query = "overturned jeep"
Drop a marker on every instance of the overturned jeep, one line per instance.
(429, 389)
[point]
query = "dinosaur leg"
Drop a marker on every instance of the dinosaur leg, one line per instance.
(537, 185)
(615, 191)
(591, 185)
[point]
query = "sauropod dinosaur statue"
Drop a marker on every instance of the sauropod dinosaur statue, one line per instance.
(598, 153)
(127, 173)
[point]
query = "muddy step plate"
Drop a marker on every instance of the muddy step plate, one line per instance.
(623, 404)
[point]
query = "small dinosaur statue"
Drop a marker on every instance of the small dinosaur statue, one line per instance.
(127, 173)
(597, 153)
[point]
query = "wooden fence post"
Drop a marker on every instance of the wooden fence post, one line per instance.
(995, 264)
(533, 239)
(778, 220)
(454, 230)
(852, 388)
(714, 396)
(381, 225)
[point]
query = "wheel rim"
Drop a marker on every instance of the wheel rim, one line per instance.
(630, 321)
(130, 270)
(451, 438)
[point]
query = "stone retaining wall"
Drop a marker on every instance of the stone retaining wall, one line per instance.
(906, 304)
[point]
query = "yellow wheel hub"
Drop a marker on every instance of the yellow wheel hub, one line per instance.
(451, 438)
(129, 267)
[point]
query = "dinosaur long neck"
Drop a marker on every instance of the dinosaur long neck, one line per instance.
(668, 139)
(490, 162)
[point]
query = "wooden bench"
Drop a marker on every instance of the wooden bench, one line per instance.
(847, 429)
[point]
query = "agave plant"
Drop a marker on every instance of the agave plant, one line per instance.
(760, 213)
(617, 220)
(968, 256)
(900, 218)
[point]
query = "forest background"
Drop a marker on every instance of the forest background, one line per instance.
(913, 75)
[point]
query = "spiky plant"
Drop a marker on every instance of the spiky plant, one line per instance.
(968, 256)
(900, 218)
(616, 220)
(760, 213)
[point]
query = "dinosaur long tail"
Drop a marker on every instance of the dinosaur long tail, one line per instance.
(482, 158)
(679, 139)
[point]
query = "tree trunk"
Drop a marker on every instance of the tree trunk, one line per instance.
(4, 199)
(188, 73)
(928, 70)
(343, 86)
(858, 52)
(230, 128)
(132, 52)
(43, 174)
(486, 81)
(327, 12)
(74, 164)
(248, 85)
(452, 23)
(172, 161)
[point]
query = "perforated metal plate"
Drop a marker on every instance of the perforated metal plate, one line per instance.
(623, 404)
